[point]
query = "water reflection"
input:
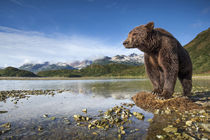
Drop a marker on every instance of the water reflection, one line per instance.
(79, 94)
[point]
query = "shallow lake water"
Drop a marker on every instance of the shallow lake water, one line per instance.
(94, 95)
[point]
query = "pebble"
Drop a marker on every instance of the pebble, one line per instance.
(189, 123)
(160, 136)
(53, 118)
(84, 110)
(157, 111)
(170, 129)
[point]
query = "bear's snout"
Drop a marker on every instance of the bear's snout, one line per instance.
(125, 43)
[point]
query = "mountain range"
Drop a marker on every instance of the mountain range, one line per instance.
(132, 59)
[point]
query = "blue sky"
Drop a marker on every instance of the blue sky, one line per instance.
(68, 30)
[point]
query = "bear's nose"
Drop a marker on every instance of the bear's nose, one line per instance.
(125, 42)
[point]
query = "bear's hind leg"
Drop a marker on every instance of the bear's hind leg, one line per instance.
(186, 85)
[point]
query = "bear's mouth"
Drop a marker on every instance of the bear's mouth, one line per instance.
(129, 46)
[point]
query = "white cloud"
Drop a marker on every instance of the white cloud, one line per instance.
(18, 47)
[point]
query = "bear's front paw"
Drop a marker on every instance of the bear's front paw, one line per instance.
(156, 92)
(165, 95)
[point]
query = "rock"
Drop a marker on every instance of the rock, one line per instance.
(157, 111)
(77, 117)
(45, 116)
(202, 111)
(188, 137)
(138, 115)
(6, 125)
(188, 123)
(53, 118)
(94, 133)
(170, 129)
(40, 128)
(67, 121)
(167, 111)
(160, 137)
(150, 120)
(123, 132)
(84, 110)
(206, 126)
(204, 138)
(3, 112)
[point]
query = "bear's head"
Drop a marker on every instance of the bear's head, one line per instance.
(138, 37)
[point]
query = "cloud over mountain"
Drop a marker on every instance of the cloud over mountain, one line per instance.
(19, 46)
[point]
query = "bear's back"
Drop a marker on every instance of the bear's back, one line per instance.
(163, 32)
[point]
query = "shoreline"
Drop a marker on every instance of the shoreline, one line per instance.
(87, 78)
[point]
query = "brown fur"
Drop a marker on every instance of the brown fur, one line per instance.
(165, 59)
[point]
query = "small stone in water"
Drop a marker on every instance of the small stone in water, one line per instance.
(123, 132)
(6, 125)
(53, 118)
(84, 110)
(94, 133)
(40, 128)
(138, 115)
(150, 120)
(45, 116)
(3, 112)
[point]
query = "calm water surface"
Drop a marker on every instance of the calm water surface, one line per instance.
(94, 95)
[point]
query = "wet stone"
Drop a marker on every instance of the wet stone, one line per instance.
(189, 123)
(1, 112)
(53, 118)
(6, 125)
(139, 116)
(170, 129)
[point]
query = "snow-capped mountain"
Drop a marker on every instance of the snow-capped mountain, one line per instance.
(44, 66)
(81, 64)
(132, 59)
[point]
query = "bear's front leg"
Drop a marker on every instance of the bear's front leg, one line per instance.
(168, 60)
(154, 74)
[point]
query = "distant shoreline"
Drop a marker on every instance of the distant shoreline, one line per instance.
(87, 78)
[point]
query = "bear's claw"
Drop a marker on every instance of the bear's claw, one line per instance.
(156, 92)
(159, 98)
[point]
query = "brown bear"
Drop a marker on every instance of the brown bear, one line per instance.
(165, 59)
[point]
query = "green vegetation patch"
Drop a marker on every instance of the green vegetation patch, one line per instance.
(14, 72)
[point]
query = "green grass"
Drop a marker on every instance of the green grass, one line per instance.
(199, 50)
(14, 72)
(96, 70)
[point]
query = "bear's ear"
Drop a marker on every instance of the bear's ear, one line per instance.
(150, 26)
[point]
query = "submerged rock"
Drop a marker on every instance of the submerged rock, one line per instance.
(6, 125)
(84, 110)
(139, 116)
